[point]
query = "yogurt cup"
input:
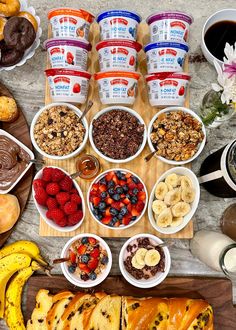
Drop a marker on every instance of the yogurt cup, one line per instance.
(118, 24)
(69, 22)
(167, 88)
(68, 53)
(169, 25)
(117, 87)
(118, 54)
(165, 56)
(68, 85)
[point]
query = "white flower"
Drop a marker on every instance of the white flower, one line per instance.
(230, 53)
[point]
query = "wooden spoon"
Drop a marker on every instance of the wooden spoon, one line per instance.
(149, 156)
(59, 261)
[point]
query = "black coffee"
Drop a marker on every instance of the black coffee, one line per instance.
(217, 35)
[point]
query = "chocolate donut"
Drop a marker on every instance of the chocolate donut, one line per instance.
(9, 56)
(19, 33)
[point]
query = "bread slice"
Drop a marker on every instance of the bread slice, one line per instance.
(44, 302)
(106, 315)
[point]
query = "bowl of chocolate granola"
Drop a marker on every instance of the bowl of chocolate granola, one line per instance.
(117, 134)
(142, 262)
(57, 132)
(177, 134)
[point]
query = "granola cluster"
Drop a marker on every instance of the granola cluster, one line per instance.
(176, 135)
(58, 131)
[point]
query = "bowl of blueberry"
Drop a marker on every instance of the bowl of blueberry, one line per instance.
(117, 199)
(88, 260)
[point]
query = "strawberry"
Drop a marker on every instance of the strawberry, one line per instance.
(140, 206)
(110, 175)
(76, 199)
(140, 186)
(62, 197)
(83, 267)
(92, 241)
(51, 203)
(126, 220)
(52, 188)
(66, 183)
(41, 196)
(76, 88)
(38, 183)
(73, 219)
(47, 174)
(96, 201)
(132, 60)
(115, 179)
(61, 222)
(107, 212)
(57, 175)
(102, 188)
(129, 207)
(82, 249)
(132, 185)
(74, 191)
(134, 212)
(70, 207)
(122, 182)
(72, 257)
(57, 214)
(181, 91)
(141, 196)
(109, 200)
(95, 253)
(95, 186)
(116, 205)
(106, 220)
(126, 201)
(93, 263)
(94, 193)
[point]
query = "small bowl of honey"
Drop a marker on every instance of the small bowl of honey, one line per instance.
(88, 167)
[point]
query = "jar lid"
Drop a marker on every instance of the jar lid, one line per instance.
(231, 161)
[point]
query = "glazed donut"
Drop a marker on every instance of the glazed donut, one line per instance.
(9, 56)
(30, 18)
(19, 33)
(9, 7)
(2, 24)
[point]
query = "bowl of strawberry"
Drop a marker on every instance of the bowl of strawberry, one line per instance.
(117, 199)
(58, 199)
(89, 260)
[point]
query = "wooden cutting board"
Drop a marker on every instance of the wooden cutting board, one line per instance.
(149, 172)
(20, 130)
(218, 292)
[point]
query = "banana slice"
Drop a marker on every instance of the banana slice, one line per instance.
(140, 255)
(152, 258)
(177, 221)
(161, 190)
(170, 187)
(185, 182)
(172, 179)
(135, 264)
(158, 206)
(180, 209)
(164, 219)
(188, 195)
(172, 197)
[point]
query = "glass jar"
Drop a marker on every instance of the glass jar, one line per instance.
(88, 167)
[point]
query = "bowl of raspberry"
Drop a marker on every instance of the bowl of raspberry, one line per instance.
(117, 199)
(89, 260)
(58, 199)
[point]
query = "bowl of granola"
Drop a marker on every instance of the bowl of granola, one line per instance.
(57, 133)
(177, 134)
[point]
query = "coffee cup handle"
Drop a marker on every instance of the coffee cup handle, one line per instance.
(210, 177)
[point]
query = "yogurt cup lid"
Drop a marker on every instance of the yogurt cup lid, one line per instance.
(168, 44)
(120, 42)
(68, 42)
(68, 72)
(169, 14)
(164, 75)
(112, 74)
(118, 12)
(71, 11)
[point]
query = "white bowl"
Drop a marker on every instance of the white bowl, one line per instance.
(155, 280)
(194, 204)
(228, 14)
(30, 51)
(73, 278)
(122, 227)
(72, 154)
(2, 132)
(200, 148)
(132, 112)
(42, 210)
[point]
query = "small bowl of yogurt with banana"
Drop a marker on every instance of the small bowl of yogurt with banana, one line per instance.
(144, 263)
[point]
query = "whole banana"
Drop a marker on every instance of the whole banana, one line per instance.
(13, 313)
(9, 266)
(27, 247)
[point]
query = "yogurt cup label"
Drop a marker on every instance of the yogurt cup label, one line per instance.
(118, 88)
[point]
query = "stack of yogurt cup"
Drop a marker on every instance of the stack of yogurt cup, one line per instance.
(167, 82)
(118, 52)
(68, 54)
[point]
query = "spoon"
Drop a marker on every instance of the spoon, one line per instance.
(37, 161)
(86, 110)
(58, 261)
(89, 166)
(149, 156)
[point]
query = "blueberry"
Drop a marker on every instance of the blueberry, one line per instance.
(104, 260)
(113, 211)
(84, 240)
(120, 216)
(119, 190)
(84, 258)
(111, 184)
(95, 212)
(123, 177)
(125, 188)
(103, 195)
(123, 210)
(135, 191)
(84, 277)
(133, 218)
(128, 196)
(92, 276)
(134, 200)
(111, 191)
(116, 197)
(119, 175)
(102, 206)
(99, 216)
(113, 221)
(135, 179)
(103, 181)
(71, 269)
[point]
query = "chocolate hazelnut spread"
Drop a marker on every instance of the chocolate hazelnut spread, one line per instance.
(13, 161)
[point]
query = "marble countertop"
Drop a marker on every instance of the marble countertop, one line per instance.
(27, 84)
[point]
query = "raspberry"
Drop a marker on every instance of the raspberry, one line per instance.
(41, 196)
(73, 219)
(52, 188)
(38, 183)
(66, 184)
(57, 214)
(74, 191)
(47, 174)
(57, 175)
(51, 203)
(75, 198)
(70, 207)
(62, 197)
(49, 214)
(61, 222)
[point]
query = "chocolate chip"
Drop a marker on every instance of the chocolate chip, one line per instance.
(50, 121)
(62, 114)
(54, 134)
